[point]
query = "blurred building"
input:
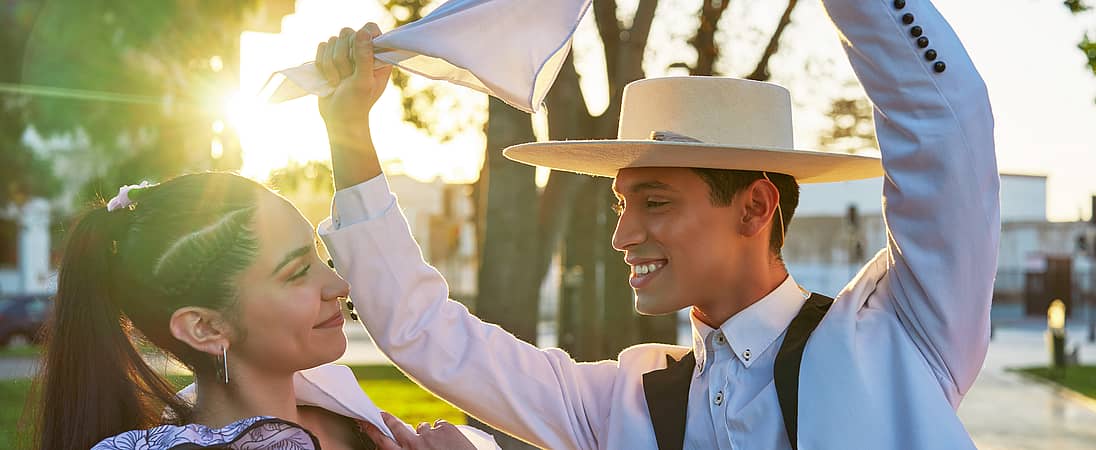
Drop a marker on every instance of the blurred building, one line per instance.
(442, 219)
(839, 226)
(25, 248)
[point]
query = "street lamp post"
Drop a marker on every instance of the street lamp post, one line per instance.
(1056, 335)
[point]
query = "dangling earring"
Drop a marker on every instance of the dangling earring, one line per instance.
(224, 363)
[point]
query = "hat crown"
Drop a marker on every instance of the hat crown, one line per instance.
(714, 110)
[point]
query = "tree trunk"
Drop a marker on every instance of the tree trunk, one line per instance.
(582, 311)
(507, 286)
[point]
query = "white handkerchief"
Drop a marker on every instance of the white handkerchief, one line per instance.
(511, 49)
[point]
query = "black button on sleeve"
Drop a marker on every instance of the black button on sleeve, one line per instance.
(939, 66)
(930, 54)
(922, 42)
(916, 31)
(907, 18)
(331, 263)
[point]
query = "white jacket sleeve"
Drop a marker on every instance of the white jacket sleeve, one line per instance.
(541, 396)
(940, 191)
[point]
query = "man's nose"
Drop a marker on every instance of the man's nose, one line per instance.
(629, 231)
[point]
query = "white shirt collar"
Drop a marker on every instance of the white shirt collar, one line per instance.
(753, 330)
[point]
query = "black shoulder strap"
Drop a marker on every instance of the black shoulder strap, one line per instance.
(786, 369)
(667, 392)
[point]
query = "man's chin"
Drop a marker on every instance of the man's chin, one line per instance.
(650, 305)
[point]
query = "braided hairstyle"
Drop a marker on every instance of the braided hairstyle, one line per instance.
(182, 243)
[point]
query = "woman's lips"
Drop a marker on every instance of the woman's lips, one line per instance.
(335, 321)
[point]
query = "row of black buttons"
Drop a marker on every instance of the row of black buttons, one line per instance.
(922, 41)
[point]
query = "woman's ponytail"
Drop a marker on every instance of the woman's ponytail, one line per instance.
(93, 382)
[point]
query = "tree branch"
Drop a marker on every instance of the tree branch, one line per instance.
(761, 72)
(707, 52)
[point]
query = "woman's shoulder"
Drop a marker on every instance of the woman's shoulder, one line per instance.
(252, 432)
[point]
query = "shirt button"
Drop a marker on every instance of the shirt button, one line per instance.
(720, 338)
(718, 398)
(746, 355)
(899, 4)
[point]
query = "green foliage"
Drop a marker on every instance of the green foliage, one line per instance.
(1077, 6)
(137, 78)
(1087, 45)
(24, 173)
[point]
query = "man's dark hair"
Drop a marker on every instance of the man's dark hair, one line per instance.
(723, 184)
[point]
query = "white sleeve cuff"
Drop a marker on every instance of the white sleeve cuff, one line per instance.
(364, 201)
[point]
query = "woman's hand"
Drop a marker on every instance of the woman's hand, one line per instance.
(347, 63)
(440, 436)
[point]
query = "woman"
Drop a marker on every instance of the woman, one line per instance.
(224, 275)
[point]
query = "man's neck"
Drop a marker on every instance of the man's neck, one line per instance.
(741, 296)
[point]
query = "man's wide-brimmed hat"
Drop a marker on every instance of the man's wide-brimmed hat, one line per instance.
(702, 122)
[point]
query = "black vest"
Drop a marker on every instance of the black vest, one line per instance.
(667, 390)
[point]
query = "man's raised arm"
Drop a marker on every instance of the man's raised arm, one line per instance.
(940, 191)
(542, 396)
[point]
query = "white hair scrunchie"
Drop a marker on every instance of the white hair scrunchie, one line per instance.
(122, 199)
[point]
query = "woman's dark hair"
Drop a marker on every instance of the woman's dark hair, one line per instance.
(723, 184)
(180, 244)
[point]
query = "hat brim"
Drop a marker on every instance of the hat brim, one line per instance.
(606, 157)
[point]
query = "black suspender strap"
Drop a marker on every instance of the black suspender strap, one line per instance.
(786, 369)
(667, 392)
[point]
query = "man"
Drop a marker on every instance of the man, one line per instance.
(771, 366)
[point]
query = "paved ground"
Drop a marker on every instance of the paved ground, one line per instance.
(1003, 411)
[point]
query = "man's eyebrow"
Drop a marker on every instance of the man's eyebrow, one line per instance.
(291, 256)
(649, 185)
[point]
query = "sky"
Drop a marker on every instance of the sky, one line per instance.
(1042, 93)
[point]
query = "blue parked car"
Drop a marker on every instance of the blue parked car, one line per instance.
(22, 318)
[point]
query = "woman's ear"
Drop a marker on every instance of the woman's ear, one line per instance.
(203, 329)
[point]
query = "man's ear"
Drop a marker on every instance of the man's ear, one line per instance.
(203, 329)
(759, 201)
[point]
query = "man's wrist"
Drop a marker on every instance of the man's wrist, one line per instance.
(353, 157)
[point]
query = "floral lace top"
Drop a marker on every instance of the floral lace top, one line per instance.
(248, 434)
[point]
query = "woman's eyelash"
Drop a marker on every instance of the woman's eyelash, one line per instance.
(302, 273)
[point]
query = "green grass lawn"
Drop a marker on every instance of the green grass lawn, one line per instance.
(26, 351)
(1079, 378)
(388, 388)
